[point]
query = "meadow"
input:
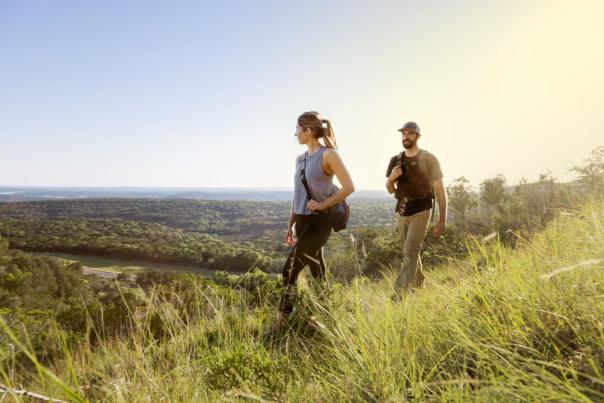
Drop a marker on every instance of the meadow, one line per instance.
(515, 315)
(523, 324)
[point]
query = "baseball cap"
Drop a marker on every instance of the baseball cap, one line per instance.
(414, 127)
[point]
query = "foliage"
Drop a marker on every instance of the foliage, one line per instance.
(505, 324)
(461, 198)
(261, 223)
(131, 240)
(591, 173)
(245, 366)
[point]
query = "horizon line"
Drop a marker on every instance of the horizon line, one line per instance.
(224, 188)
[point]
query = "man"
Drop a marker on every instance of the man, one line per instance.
(415, 178)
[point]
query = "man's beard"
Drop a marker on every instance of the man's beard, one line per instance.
(408, 144)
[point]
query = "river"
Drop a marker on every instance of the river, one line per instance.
(120, 265)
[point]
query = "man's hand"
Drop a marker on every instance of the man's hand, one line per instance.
(395, 174)
(440, 229)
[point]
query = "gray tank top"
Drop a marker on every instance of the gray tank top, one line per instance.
(321, 185)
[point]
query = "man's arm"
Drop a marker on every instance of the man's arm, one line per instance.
(393, 173)
(441, 199)
(390, 184)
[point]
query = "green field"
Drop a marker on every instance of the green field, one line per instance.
(505, 324)
(513, 316)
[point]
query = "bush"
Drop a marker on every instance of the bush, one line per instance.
(248, 369)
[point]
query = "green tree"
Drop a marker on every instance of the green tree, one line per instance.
(493, 193)
(591, 173)
(461, 198)
(493, 196)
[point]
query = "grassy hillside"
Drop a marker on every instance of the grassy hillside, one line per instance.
(504, 325)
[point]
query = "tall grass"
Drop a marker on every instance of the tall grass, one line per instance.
(495, 327)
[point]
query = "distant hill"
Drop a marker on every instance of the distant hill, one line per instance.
(220, 217)
(15, 194)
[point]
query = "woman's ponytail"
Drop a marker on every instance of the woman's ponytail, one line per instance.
(328, 134)
(321, 127)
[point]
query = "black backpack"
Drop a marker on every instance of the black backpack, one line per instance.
(421, 160)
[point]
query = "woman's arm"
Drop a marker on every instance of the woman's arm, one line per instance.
(334, 164)
(290, 228)
(292, 217)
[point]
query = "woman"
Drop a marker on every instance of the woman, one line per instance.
(319, 164)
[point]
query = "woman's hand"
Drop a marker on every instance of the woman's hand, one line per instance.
(314, 205)
(290, 236)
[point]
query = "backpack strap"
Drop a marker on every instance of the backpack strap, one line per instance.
(422, 162)
(423, 165)
(421, 156)
(424, 168)
(304, 181)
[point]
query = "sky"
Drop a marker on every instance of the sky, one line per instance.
(206, 94)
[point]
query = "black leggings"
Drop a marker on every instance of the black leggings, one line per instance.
(312, 232)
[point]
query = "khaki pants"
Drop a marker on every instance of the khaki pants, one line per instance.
(412, 230)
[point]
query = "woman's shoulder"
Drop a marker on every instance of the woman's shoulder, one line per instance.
(329, 152)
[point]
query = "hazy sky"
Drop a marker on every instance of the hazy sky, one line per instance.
(140, 93)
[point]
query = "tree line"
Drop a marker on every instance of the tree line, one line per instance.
(132, 240)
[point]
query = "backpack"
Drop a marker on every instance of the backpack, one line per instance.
(421, 160)
(421, 156)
